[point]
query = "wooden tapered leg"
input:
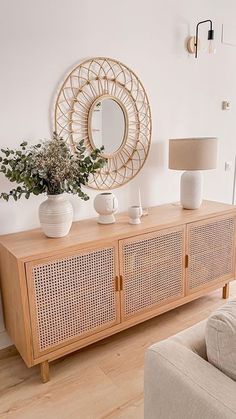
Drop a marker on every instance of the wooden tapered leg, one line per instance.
(225, 291)
(44, 371)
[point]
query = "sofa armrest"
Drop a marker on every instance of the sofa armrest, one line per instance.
(180, 384)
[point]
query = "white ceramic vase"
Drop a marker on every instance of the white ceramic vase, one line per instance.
(56, 215)
(106, 205)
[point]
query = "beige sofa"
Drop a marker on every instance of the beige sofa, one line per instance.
(181, 384)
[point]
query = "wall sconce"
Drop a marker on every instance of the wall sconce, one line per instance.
(193, 43)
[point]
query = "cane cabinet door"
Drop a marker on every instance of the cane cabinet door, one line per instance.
(152, 270)
(72, 297)
(211, 253)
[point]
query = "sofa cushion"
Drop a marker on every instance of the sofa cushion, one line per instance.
(193, 338)
(221, 339)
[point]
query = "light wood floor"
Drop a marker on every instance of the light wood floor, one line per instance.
(102, 381)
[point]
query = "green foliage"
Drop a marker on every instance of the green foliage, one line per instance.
(49, 167)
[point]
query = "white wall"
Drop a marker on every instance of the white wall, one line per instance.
(42, 40)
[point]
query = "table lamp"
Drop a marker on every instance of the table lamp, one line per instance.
(192, 155)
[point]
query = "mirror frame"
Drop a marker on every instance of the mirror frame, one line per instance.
(126, 122)
(84, 86)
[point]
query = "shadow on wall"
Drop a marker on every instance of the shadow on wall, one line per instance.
(155, 163)
(156, 158)
(5, 184)
(180, 38)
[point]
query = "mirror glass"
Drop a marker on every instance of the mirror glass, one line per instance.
(107, 125)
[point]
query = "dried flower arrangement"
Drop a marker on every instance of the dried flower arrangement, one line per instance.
(49, 167)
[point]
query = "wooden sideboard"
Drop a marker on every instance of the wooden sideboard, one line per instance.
(60, 295)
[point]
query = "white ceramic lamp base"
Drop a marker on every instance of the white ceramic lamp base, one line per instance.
(191, 189)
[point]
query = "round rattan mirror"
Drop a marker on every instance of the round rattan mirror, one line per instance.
(103, 102)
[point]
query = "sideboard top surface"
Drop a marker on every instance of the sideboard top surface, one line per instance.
(33, 244)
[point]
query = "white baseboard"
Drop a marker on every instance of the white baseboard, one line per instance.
(5, 341)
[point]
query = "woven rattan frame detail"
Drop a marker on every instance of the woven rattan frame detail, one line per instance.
(211, 252)
(152, 270)
(94, 78)
(73, 297)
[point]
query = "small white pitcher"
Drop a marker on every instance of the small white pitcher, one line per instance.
(135, 212)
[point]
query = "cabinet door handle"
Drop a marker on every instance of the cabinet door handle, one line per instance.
(186, 261)
(117, 283)
(121, 283)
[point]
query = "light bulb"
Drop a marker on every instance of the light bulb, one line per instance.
(211, 47)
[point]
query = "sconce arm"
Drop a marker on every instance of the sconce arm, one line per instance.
(197, 29)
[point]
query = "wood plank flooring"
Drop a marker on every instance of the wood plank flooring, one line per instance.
(103, 381)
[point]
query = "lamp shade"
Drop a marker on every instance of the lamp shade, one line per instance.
(193, 153)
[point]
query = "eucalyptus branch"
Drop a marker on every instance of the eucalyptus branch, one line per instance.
(49, 167)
